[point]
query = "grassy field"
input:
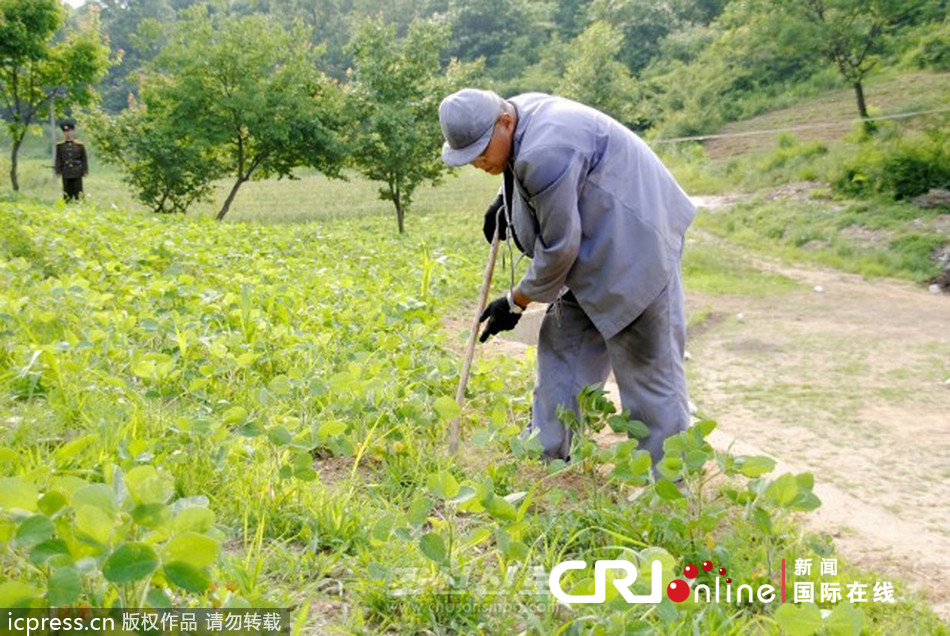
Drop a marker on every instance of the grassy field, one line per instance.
(273, 399)
(886, 95)
(872, 238)
(272, 395)
(310, 197)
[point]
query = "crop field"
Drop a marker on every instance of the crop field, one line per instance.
(247, 414)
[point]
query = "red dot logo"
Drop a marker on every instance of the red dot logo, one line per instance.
(707, 566)
(728, 580)
(678, 591)
(691, 571)
(722, 571)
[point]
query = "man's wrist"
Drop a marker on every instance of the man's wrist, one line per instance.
(517, 301)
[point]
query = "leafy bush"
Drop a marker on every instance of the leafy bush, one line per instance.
(900, 168)
(790, 151)
(932, 51)
(167, 171)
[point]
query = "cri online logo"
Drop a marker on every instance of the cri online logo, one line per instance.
(677, 591)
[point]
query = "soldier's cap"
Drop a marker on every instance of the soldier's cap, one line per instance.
(67, 124)
(467, 118)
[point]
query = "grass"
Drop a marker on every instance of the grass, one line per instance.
(762, 161)
(871, 238)
(887, 94)
(310, 197)
(715, 269)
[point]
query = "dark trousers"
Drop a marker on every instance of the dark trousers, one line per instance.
(646, 357)
(72, 188)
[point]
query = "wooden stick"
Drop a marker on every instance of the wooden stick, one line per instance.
(473, 334)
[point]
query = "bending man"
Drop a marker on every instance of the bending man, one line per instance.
(603, 222)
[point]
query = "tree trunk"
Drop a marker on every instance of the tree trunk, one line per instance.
(13, 163)
(231, 195)
(859, 93)
(400, 213)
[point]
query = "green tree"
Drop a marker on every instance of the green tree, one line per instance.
(34, 70)
(596, 77)
(849, 33)
(394, 94)
(250, 88)
(135, 37)
(168, 171)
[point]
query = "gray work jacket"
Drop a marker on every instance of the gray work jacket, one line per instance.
(594, 208)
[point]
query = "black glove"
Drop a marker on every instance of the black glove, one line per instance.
(500, 318)
(493, 213)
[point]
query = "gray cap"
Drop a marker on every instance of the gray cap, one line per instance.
(468, 118)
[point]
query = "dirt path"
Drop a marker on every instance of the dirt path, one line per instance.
(848, 379)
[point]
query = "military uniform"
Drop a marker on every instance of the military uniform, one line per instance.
(72, 164)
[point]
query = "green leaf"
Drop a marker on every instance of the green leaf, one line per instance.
(447, 408)
(8, 456)
(670, 465)
(705, 427)
(194, 518)
(805, 502)
(52, 502)
(805, 481)
(332, 428)
(668, 490)
(192, 548)
(783, 490)
(647, 556)
(34, 530)
(17, 494)
(187, 577)
(280, 385)
(517, 550)
(94, 524)
(419, 511)
(129, 563)
(250, 429)
(96, 495)
(148, 486)
(443, 485)
(640, 462)
(798, 620)
(307, 473)
(151, 515)
(16, 594)
(234, 415)
(845, 620)
(755, 465)
(500, 509)
(279, 436)
(383, 528)
(64, 587)
(157, 598)
(762, 519)
(433, 547)
(46, 550)
(623, 424)
(464, 494)
(696, 459)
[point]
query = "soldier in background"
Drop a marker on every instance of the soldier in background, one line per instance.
(71, 161)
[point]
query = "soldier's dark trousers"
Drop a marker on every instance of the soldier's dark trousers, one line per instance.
(72, 188)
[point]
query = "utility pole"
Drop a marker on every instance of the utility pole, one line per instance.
(59, 92)
(52, 131)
